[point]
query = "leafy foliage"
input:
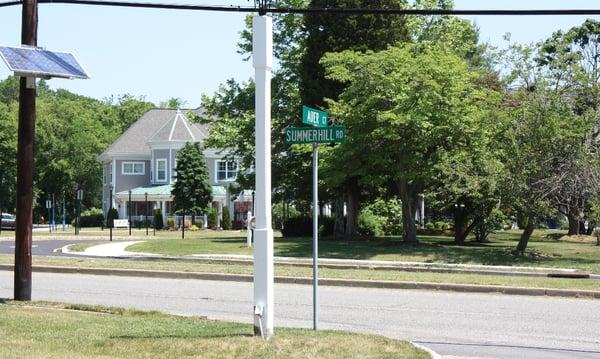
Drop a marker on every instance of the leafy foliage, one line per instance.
(403, 119)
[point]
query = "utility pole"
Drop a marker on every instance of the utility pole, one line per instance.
(22, 280)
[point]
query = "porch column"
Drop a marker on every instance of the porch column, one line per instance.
(219, 213)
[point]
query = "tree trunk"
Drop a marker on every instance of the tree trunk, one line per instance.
(573, 218)
(409, 207)
(526, 235)
(460, 225)
(352, 214)
(338, 224)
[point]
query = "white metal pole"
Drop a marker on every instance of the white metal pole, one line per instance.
(422, 215)
(262, 43)
(315, 235)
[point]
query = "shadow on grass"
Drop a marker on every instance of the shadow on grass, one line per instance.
(429, 249)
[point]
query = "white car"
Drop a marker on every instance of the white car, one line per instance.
(8, 221)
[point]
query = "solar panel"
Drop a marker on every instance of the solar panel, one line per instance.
(35, 62)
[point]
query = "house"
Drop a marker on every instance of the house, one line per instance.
(141, 165)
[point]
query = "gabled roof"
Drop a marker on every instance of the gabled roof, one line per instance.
(135, 140)
(178, 129)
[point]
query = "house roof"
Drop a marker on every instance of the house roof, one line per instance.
(179, 129)
(156, 125)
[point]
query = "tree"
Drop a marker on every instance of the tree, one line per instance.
(404, 108)
(191, 192)
(226, 221)
(572, 63)
(326, 33)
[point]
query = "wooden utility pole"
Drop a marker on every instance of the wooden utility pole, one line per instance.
(22, 285)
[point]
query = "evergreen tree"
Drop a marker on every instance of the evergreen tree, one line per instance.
(191, 192)
(226, 221)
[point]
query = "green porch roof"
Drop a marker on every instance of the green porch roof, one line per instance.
(164, 190)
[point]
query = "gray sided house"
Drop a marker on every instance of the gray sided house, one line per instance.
(143, 162)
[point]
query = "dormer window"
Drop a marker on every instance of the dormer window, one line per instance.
(226, 170)
(161, 170)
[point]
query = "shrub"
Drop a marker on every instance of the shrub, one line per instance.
(278, 214)
(111, 215)
(92, 217)
(390, 214)
(171, 223)
(326, 226)
(194, 228)
(440, 225)
(212, 218)
(369, 224)
(429, 226)
(158, 219)
(297, 227)
(491, 223)
(226, 221)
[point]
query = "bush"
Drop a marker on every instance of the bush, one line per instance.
(278, 212)
(441, 225)
(111, 215)
(297, 227)
(212, 218)
(390, 214)
(492, 222)
(170, 223)
(429, 226)
(194, 228)
(326, 226)
(369, 224)
(158, 219)
(226, 221)
(92, 217)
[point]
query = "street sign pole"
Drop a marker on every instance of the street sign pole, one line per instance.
(315, 186)
(262, 54)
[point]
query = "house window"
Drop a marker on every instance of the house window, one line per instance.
(161, 170)
(226, 170)
(133, 168)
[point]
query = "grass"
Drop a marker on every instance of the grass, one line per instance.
(544, 249)
(365, 274)
(56, 331)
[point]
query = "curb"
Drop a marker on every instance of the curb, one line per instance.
(431, 353)
(464, 288)
(362, 264)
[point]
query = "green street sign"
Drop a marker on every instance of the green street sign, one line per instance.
(299, 135)
(313, 117)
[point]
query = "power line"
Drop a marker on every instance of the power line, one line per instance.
(10, 3)
(338, 11)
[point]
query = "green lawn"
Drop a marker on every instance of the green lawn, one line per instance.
(544, 249)
(56, 331)
(287, 271)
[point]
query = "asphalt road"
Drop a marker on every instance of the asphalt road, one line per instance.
(45, 247)
(461, 324)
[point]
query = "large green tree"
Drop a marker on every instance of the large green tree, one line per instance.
(191, 192)
(404, 107)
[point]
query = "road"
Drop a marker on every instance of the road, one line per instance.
(461, 324)
(46, 247)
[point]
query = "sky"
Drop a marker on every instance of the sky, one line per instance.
(161, 54)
